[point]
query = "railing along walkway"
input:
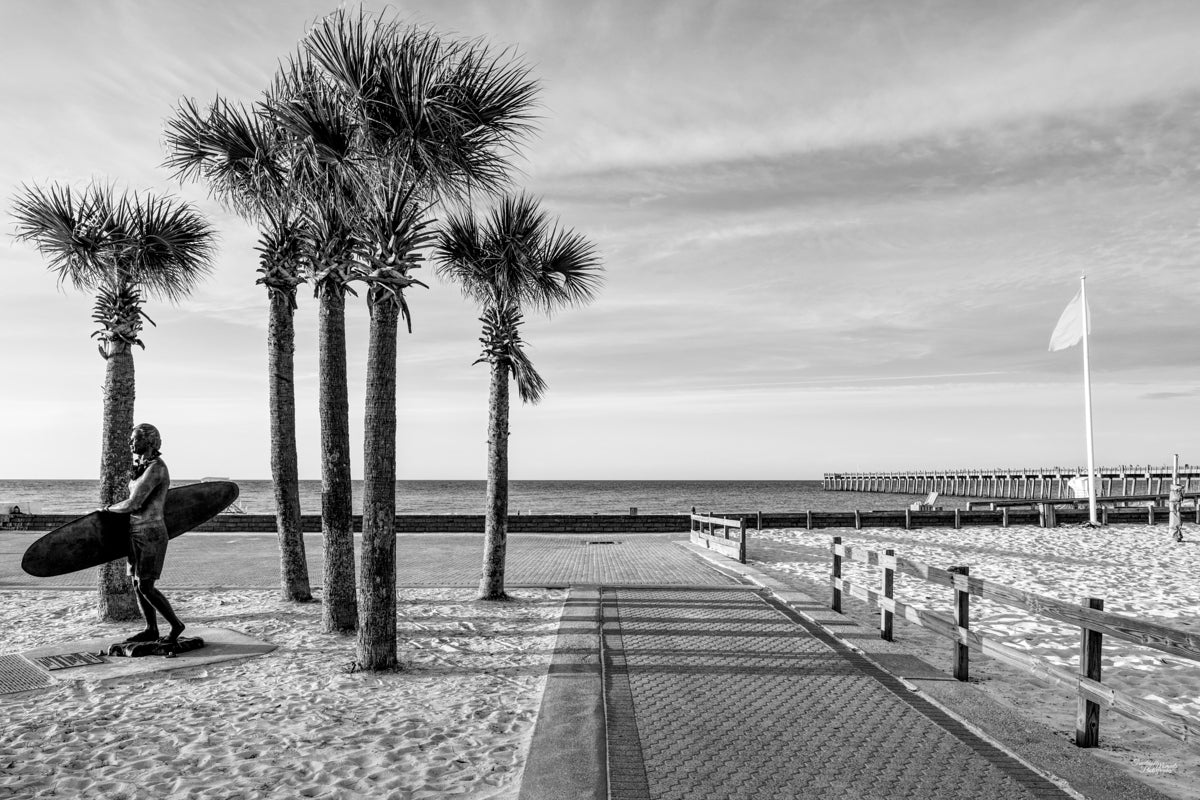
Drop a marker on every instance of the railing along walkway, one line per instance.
(704, 533)
(1093, 621)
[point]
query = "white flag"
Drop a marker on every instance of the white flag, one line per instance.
(1069, 329)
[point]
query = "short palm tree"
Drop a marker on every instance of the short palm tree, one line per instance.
(240, 156)
(513, 259)
(117, 247)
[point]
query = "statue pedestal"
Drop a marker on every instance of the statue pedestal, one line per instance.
(168, 649)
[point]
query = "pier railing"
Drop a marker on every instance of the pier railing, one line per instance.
(1094, 623)
(1025, 483)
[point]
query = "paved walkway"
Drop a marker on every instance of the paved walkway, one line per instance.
(206, 560)
(720, 693)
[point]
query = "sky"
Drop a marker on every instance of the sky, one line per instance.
(836, 235)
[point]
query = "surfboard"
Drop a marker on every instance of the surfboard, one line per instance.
(101, 536)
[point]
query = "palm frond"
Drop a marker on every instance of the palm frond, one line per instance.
(169, 245)
(347, 48)
(393, 232)
(282, 252)
(235, 150)
(304, 106)
(571, 272)
(501, 340)
(517, 254)
(73, 232)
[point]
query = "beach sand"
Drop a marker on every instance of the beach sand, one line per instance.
(293, 723)
(1137, 569)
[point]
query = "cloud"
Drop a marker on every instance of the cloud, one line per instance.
(1170, 395)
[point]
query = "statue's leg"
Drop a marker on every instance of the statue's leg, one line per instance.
(151, 631)
(159, 603)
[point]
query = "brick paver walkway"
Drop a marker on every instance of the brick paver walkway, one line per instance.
(717, 693)
(207, 560)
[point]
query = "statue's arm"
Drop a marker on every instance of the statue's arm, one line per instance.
(142, 488)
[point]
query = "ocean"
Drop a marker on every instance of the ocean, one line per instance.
(525, 497)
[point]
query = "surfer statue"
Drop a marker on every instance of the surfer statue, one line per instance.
(148, 532)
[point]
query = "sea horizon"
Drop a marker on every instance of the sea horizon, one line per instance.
(526, 496)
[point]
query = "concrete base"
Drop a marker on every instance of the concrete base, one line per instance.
(220, 644)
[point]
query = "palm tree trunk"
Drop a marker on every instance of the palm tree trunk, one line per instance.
(340, 612)
(117, 601)
(281, 346)
(491, 586)
(377, 591)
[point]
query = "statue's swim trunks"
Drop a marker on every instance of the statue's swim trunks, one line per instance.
(147, 549)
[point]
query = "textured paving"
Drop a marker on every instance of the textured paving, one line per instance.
(204, 560)
(716, 693)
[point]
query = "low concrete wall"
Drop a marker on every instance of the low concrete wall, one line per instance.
(641, 523)
(409, 523)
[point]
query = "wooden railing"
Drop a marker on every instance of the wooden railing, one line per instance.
(704, 533)
(1093, 621)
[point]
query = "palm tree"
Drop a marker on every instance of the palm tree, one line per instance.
(514, 258)
(326, 157)
(241, 158)
(435, 118)
(396, 231)
(117, 247)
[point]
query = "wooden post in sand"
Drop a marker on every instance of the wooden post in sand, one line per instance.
(962, 619)
(742, 542)
(837, 575)
(1087, 715)
(888, 562)
(1174, 502)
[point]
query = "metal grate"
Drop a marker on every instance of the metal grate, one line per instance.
(18, 675)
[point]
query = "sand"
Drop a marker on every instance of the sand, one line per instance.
(1137, 569)
(293, 723)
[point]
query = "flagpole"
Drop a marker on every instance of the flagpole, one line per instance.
(1087, 405)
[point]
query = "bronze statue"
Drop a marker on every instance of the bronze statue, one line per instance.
(148, 532)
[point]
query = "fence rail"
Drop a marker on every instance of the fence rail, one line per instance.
(704, 533)
(1093, 622)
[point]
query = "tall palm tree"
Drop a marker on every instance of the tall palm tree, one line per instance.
(513, 259)
(240, 156)
(117, 247)
(395, 229)
(436, 118)
(328, 167)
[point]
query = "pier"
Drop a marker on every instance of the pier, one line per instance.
(1051, 483)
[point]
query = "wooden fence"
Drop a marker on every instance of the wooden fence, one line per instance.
(704, 533)
(1093, 621)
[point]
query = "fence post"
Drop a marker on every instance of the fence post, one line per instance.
(1087, 715)
(758, 526)
(1150, 513)
(957, 518)
(889, 576)
(857, 520)
(837, 575)
(808, 518)
(962, 619)
(908, 519)
(742, 543)
(1003, 516)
